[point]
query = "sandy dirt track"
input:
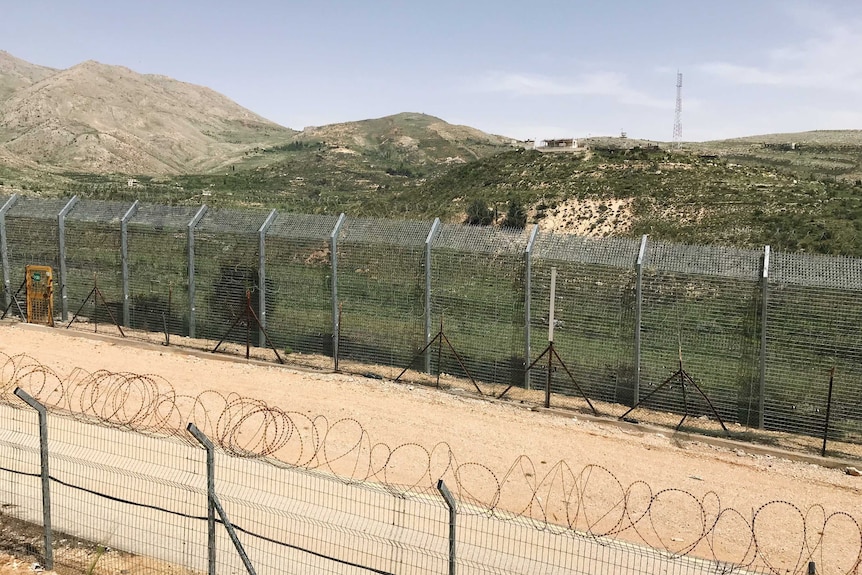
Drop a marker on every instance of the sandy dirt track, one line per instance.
(491, 433)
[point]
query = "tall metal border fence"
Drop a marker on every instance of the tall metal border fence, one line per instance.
(765, 336)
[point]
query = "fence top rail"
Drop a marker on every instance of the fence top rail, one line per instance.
(98, 211)
(481, 239)
(704, 260)
(233, 221)
(301, 226)
(389, 232)
(158, 217)
(616, 252)
(37, 208)
(815, 270)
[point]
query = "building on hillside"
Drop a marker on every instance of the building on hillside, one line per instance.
(560, 143)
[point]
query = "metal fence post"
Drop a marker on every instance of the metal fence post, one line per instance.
(4, 250)
(261, 272)
(528, 300)
(453, 513)
(764, 300)
(333, 257)
(639, 268)
(214, 505)
(191, 238)
(124, 258)
(428, 242)
(46, 477)
(61, 235)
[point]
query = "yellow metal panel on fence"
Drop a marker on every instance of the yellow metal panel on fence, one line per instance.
(40, 294)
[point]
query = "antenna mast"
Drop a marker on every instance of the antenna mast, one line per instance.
(677, 121)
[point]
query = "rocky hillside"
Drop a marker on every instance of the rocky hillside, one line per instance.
(108, 119)
(16, 74)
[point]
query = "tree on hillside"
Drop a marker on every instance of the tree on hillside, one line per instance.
(478, 214)
(516, 215)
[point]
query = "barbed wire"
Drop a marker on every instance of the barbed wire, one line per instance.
(591, 500)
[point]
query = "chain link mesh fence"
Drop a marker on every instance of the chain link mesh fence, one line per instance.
(158, 268)
(93, 259)
(381, 285)
(701, 307)
(593, 316)
(32, 236)
(701, 311)
(299, 288)
(814, 313)
(477, 294)
(227, 273)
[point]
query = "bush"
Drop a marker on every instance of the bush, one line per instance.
(478, 214)
(516, 216)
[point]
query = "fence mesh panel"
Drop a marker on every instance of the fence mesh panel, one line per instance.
(20, 484)
(381, 285)
(814, 310)
(306, 522)
(593, 315)
(93, 257)
(158, 268)
(32, 235)
(128, 491)
(703, 301)
(227, 266)
(299, 289)
(477, 287)
(701, 304)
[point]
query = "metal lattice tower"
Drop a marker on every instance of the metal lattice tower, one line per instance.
(677, 120)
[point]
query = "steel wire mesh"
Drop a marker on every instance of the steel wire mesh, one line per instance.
(227, 266)
(299, 289)
(32, 235)
(110, 471)
(158, 268)
(304, 521)
(20, 484)
(708, 299)
(113, 487)
(381, 284)
(93, 258)
(477, 287)
(701, 309)
(814, 311)
(593, 316)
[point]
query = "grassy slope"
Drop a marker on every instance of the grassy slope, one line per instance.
(736, 192)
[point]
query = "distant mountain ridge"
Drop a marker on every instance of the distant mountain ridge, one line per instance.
(16, 74)
(98, 118)
(102, 119)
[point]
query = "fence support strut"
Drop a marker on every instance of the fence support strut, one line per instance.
(336, 316)
(124, 258)
(46, 477)
(528, 300)
(213, 504)
(61, 238)
(453, 514)
(191, 239)
(639, 268)
(4, 251)
(261, 270)
(764, 300)
(428, 242)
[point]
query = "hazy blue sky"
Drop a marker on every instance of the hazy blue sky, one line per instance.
(526, 69)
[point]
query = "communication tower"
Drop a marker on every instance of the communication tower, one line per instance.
(677, 120)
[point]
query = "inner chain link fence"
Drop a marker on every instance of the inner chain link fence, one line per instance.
(654, 331)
